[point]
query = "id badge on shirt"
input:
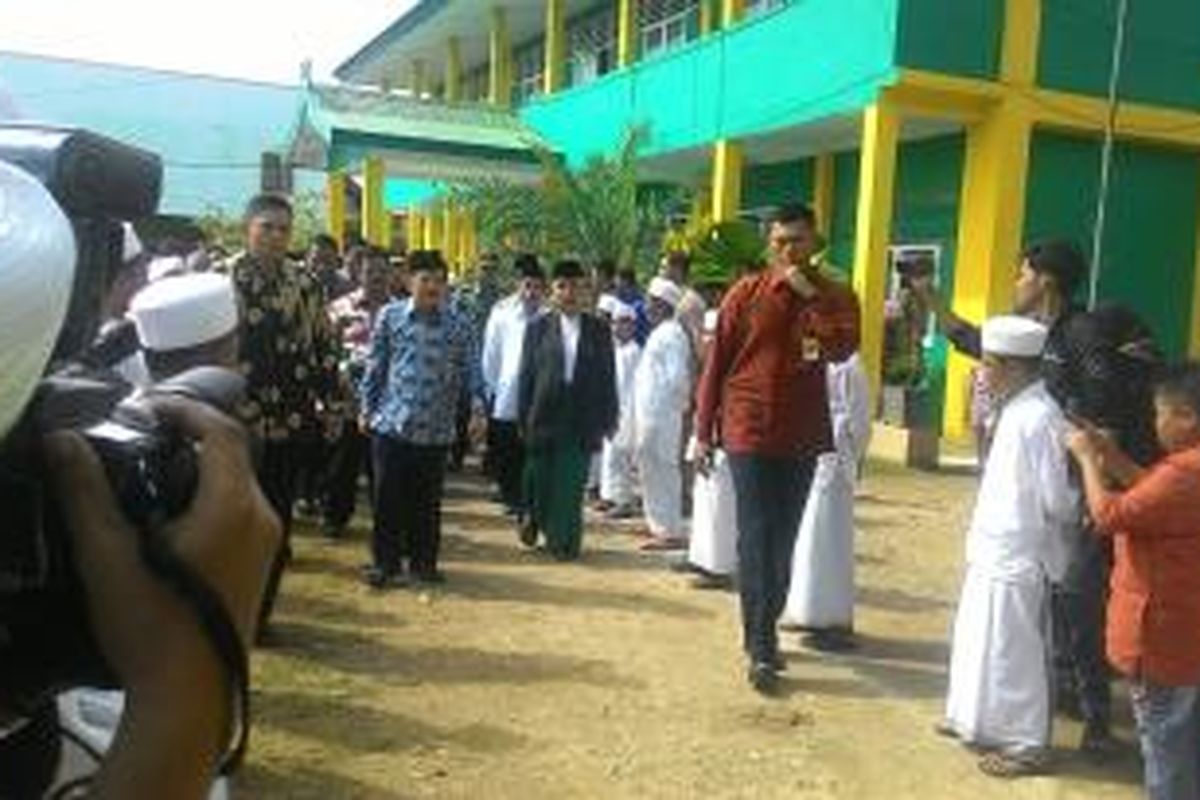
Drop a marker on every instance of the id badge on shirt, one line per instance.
(810, 349)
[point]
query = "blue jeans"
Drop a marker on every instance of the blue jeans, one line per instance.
(1168, 721)
(771, 493)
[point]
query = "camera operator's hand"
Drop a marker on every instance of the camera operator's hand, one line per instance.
(178, 706)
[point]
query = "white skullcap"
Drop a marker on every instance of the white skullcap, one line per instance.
(607, 304)
(624, 311)
(1014, 336)
(165, 267)
(37, 272)
(184, 311)
(666, 291)
(131, 244)
(710, 320)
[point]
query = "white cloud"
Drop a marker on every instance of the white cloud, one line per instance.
(258, 39)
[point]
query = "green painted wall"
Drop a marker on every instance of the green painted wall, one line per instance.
(1162, 63)
(1149, 247)
(831, 55)
(845, 211)
(961, 36)
(777, 184)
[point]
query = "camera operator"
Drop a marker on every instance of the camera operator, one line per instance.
(179, 705)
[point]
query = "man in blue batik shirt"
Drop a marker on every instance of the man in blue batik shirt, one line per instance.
(419, 362)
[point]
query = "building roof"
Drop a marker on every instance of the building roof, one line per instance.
(423, 143)
(210, 132)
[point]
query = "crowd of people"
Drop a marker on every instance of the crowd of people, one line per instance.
(728, 423)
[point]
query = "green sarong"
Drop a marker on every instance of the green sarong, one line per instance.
(555, 477)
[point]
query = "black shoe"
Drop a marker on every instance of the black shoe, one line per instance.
(778, 663)
(430, 577)
(528, 533)
(380, 580)
(829, 641)
(763, 677)
(1098, 743)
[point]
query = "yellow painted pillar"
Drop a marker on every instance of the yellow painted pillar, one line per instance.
(555, 72)
(822, 202)
(434, 227)
(500, 66)
(415, 229)
(468, 243)
(335, 206)
(1019, 47)
(731, 11)
(627, 32)
(373, 228)
(727, 180)
(708, 20)
(416, 78)
(991, 225)
(454, 72)
(386, 230)
(873, 229)
(449, 245)
(1194, 339)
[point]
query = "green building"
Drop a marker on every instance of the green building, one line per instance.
(952, 129)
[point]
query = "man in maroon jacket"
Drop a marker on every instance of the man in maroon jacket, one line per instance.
(762, 398)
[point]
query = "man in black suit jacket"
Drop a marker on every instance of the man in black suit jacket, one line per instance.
(568, 405)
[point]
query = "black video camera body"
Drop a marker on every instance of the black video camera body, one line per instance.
(45, 639)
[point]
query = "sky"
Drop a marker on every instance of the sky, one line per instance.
(254, 39)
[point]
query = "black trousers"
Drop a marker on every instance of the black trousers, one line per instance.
(508, 461)
(771, 493)
(462, 432)
(348, 458)
(409, 481)
(278, 474)
(1078, 605)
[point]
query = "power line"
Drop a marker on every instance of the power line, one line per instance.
(1110, 132)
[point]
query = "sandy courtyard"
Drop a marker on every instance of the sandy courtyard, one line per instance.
(611, 678)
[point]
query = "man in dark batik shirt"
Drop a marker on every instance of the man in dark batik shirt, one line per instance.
(289, 356)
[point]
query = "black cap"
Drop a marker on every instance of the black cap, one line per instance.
(567, 268)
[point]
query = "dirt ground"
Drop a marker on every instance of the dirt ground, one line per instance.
(611, 678)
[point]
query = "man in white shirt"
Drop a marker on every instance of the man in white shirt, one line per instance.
(821, 599)
(662, 394)
(618, 473)
(503, 341)
(999, 695)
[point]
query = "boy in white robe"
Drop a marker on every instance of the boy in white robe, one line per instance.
(618, 473)
(1000, 679)
(662, 394)
(821, 598)
(712, 547)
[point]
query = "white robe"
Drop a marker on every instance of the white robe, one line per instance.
(822, 590)
(618, 473)
(713, 544)
(999, 693)
(662, 391)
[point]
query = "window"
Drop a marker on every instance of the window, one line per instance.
(755, 7)
(591, 47)
(667, 24)
(529, 65)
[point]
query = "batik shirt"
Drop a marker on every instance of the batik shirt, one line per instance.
(418, 365)
(288, 352)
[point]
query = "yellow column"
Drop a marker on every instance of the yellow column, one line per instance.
(707, 18)
(469, 243)
(500, 66)
(627, 32)
(373, 225)
(415, 229)
(434, 226)
(731, 11)
(453, 70)
(1019, 48)
(449, 245)
(822, 202)
(335, 206)
(727, 181)
(873, 229)
(556, 45)
(991, 223)
(416, 81)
